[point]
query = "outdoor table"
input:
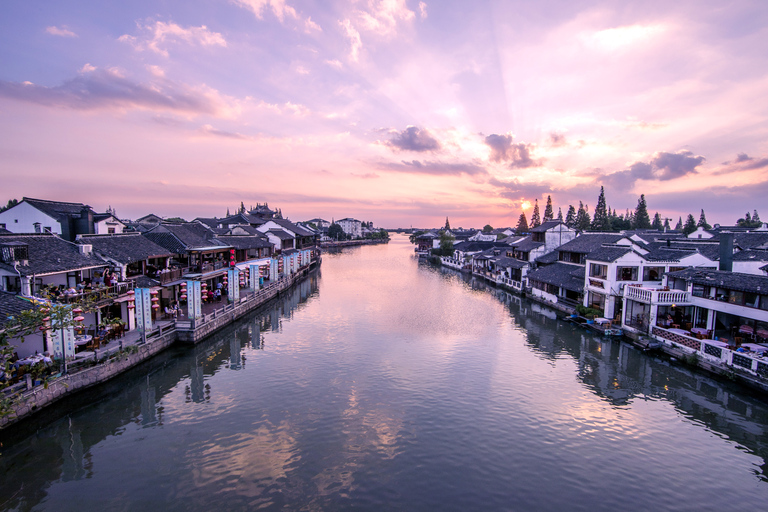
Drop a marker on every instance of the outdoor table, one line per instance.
(601, 321)
(754, 347)
(762, 333)
(717, 343)
(83, 340)
(746, 329)
(679, 331)
(699, 330)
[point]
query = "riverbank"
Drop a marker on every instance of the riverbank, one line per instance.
(102, 365)
(351, 243)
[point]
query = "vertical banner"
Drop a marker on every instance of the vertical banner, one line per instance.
(194, 300)
(63, 340)
(254, 276)
(273, 269)
(233, 284)
(143, 309)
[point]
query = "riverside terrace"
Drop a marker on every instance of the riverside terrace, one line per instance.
(92, 367)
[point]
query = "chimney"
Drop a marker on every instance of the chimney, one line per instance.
(726, 252)
(85, 249)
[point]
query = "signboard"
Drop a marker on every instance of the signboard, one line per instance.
(63, 340)
(233, 284)
(254, 276)
(143, 309)
(273, 269)
(194, 300)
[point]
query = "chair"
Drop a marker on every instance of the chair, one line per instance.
(94, 343)
(688, 326)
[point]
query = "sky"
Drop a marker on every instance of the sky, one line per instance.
(398, 112)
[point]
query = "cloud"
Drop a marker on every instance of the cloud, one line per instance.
(423, 10)
(335, 64)
(413, 139)
(504, 150)
(557, 139)
(515, 189)
(383, 16)
(435, 168)
(62, 31)
(366, 176)
(160, 34)
(278, 8)
(356, 43)
(663, 166)
(109, 90)
(310, 26)
(210, 130)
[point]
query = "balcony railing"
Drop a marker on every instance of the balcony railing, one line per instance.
(653, 296)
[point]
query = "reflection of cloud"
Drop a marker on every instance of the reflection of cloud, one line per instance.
(413, 139)
(161, 33)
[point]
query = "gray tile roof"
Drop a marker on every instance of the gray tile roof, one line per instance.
(527, 245)
(300, 231)
(57, 209)
(124, 248)
(468, 246)
(666, 254)
(282, 235)
(545, 226)
(49, 254)
(564, 275)
(550, 257)
(243, 242)
(730, 280)
(608, 254)
(11, 305)
(588, 242)
(180, 238)
(751, 255)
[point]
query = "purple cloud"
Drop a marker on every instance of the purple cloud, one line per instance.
(436, 168)
(413, 139)
(504, 150)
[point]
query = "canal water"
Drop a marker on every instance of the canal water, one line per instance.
(382, 383)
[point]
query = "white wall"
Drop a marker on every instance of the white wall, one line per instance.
(22, 217)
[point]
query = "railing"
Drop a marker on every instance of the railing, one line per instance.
(651, 296)
(172, 275)
(104, 292)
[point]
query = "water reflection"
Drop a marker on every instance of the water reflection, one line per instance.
(395, 385)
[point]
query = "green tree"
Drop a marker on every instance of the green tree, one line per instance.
(11, 204)
(535, 217)
(447, 224)
(548, 212)
(582, 218)
(522, 225)
(487, 228)
(559, 214)
(666, 224)
(703, 221)
(570, 217)
(690, 225)
(336, 233)
(412, 238)
(176, 219)
(601, 222)
(679, 225)
(656, 224)
(642, 220)
(756, 219)
(446, 244)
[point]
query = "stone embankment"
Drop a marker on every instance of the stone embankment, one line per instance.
(351, 243)
(112, 363)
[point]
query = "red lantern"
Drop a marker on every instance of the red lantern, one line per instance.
(131, 292)
(77, 311)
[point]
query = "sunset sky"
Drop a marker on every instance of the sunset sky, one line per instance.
(398, 112)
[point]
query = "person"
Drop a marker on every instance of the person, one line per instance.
(177, 310)
(217, 294)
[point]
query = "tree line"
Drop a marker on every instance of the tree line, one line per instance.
(606, 219)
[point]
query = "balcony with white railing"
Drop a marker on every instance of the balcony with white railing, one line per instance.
(656, 296)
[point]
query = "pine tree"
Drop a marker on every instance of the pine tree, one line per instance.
(756, 219)
(679, 225)
(559, 214)
(548, 213)
(227, 211)
(570, 217)
(642, 220)
(666, 224)
(447, 225)
(703, 221)
(242, 208)
(535, 217)
(522, 225)
(582, 218)
(601, 222)
(690, 225)
(657, 222)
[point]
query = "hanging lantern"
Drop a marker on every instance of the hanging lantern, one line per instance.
(153, 292)
(155, 300)
(77, 311)
(43, 328)
(79, 318)
(47, 319)
(155, 306)
(183, 296)
(131, 292)
(131, 306)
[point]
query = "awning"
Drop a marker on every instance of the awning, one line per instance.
(247, 264)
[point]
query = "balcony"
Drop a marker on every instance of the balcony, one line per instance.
(656, 296)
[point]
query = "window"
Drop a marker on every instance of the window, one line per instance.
(652, 273)
(736, 297)
(597, 270)
(700, 290)
(626, 273)
(111, 231)
(750, 300)
(2, 225)
(764, 302)
(596, 300)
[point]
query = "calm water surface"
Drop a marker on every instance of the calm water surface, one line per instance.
(383, 384)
